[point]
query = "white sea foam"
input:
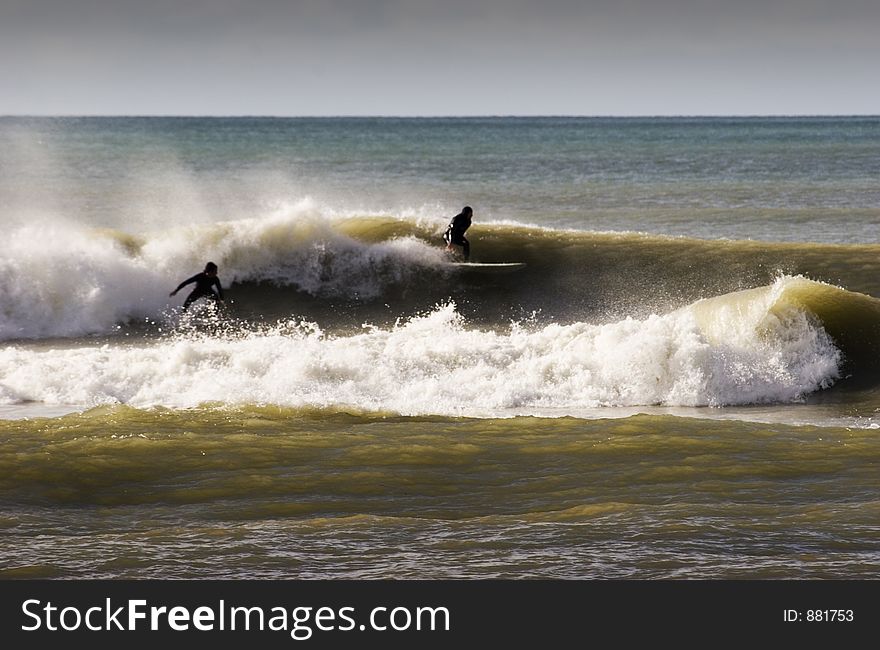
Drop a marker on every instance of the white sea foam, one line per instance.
(59, 280)
(298, 245)
(63, 280)
(437, 364)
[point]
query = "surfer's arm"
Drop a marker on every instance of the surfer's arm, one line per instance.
(219, 288)
(184, 283)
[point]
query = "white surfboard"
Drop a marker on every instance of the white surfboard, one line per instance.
(488, 267)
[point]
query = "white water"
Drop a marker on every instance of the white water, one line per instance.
(65, 280)
(436, 364)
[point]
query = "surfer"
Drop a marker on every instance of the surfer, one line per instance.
(454, 234)
(205, 281)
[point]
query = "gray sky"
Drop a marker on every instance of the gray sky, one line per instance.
(439, 57)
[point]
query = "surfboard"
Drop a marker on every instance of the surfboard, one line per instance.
(488, 267)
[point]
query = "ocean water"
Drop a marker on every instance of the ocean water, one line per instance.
(682, 381)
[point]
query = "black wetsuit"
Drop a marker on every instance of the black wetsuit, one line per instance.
(455, 233)
(204, 284)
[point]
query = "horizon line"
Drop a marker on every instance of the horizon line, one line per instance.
(438, 116)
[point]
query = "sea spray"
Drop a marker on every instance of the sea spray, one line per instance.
(64, 280)
(60, 280)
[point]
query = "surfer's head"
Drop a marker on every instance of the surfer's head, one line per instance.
(211, 268)
(466, 210)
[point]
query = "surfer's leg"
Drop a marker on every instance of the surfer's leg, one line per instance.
(195, 295)
(466, 249)
(447, 238)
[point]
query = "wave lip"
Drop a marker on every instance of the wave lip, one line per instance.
(849, 319)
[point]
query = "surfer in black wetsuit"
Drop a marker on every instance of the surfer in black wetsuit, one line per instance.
(455, 232)
(205, 281)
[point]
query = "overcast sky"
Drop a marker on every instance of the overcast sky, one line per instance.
(439, 57)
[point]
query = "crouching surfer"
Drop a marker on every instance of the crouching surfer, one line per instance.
(205, 283)
(454, 235)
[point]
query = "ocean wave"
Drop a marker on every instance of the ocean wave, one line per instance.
(766, 345)
(64, 280)
(306, 261)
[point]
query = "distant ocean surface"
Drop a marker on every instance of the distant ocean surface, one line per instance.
(683, 381)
